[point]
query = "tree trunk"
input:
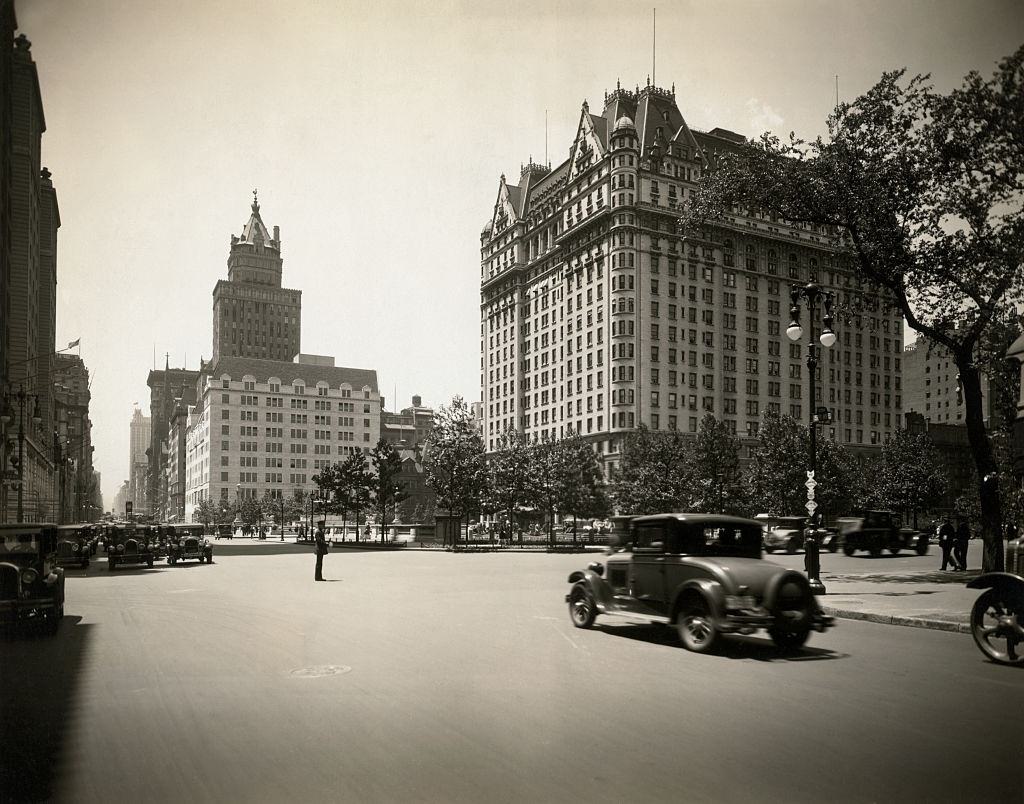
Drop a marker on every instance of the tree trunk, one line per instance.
(984, 464)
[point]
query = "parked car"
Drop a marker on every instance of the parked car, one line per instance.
(703, 574)
(188, 542)
(129, 546)
(31, 583)
(875, 531)
(74, 545)
(997, 617)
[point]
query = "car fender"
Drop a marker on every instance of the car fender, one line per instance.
(1005, 582)
(596, 585)
(709, 589)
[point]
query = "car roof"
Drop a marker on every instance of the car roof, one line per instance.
(697, 519)
(26, 527)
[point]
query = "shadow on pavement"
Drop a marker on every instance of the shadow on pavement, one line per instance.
(936, 576)
(759, 649)
(39, 692)
(258, 549)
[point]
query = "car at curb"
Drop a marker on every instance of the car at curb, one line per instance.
(129, 546)
(703, 574)
(878, 531)
(188, 543)
(31, 583)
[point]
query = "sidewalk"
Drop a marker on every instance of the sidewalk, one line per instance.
(931, 599)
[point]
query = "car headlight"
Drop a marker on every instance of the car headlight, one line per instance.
(120, 548)
(74, 548)
(28, 576)
(596, 567)
(206, 542)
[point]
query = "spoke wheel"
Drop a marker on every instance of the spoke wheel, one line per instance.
(581, 607)
(696, 628)
(997, 627)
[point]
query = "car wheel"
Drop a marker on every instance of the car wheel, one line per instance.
(833, 545)
(789, 640)
(922, 548)
(111, 563)
(696, 629)
(848, 550)
(875, 550)
(582, 610)
(768, 549)
(997, 625)
(894, 550)
(149, 562)
(793, 545)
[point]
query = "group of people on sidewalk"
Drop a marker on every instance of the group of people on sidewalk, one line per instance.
(953, 543)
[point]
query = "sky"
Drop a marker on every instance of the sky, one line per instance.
(376, 134)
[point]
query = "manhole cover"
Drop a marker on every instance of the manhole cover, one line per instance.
(321, 670)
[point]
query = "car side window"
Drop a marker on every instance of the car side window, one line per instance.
(649, 539)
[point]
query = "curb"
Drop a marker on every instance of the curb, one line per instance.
(896, 619)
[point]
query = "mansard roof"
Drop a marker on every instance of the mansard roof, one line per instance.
(262, 370)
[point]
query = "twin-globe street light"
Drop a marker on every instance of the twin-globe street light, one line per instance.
(810, 292)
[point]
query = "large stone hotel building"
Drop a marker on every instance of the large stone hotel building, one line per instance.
(596, 315)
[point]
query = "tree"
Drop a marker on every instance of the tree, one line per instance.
(250, 511)
(652, 475)
(386, 491)
(346, 486)
(547, 469)
(911, 473)
(580, 483)
(206, 512)
(924, 192)
(454, 460)
(715, 479)
(510, 481)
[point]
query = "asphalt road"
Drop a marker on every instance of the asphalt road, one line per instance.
(427, 676)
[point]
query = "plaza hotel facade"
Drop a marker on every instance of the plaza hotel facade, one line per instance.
(597, 315)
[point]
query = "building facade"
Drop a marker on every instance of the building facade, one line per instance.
(410, 426)
(253, 316)
(140, 435)
(165, 387)
(597, 315)
(931, 384)
(78, 494)
(267, 426)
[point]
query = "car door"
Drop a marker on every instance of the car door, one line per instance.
(647, 570)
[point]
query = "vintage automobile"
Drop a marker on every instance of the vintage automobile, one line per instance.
(876, 531)
(997, 617)
(787, 533)
(129, 545)
(75, 544)
(703, 574)
(31, 583)
(189, 542)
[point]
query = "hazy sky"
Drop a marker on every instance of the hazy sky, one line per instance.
(376, 133)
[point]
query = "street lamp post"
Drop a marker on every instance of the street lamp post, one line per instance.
(810, 293)
(21, 397)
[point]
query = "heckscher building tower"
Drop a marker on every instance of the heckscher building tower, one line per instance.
(253, 316)
(597, 315)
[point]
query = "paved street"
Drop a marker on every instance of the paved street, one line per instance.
(427, 676)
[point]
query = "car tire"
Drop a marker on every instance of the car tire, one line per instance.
(695, 627)
(111, 564)
(991, 606)
(793, 545)
(149, 563)
(769, 549)
(582, 610)
(922, 548)
(848, 550)
(875, 550)
(833, 545)
(789, 640)
(894, 550)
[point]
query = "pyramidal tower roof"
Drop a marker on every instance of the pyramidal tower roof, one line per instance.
(255, 231)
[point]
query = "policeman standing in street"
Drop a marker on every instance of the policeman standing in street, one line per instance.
(321, 551)
(946, 535)
(963, 537)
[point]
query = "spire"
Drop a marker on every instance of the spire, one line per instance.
(255, 231)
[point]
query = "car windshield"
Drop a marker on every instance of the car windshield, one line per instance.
(19, 543)
(723, 540)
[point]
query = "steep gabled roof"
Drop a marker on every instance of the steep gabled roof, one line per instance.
(255, 231)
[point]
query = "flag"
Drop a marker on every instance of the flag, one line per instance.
(74, 343)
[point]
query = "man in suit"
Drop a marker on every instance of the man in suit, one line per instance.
(963, 537)
(946, 535)
(321, 551)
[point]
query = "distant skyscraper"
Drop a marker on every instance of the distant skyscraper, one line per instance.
(253, 316)
(138, 463)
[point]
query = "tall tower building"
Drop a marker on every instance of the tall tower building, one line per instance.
(138, 464)
(253, 316)
(596, 315)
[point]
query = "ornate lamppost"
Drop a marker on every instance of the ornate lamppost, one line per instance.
(5, 416)
(810, 293)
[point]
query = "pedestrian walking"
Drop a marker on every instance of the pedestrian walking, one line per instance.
(946, 536)
(963, 537)
(321, 551)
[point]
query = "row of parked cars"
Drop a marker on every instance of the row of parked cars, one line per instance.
(872, 532)
(33, 557)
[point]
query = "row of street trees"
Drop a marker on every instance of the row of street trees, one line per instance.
(670, 472)
(561, 476)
